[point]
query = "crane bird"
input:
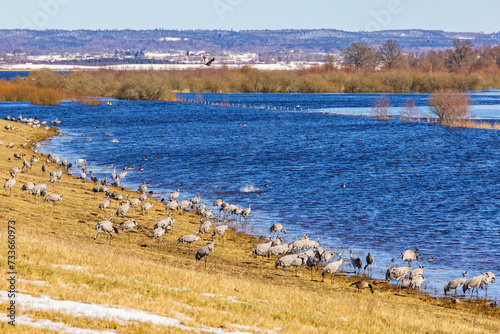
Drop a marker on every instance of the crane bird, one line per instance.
(362, 285)
(165, 222)
(146, 207)
(208, 62)
(8, 184)
(113, 175)
(369, 262)
(262, 249)
(292, 260)
(158, 233)
(205, 251)
(416, 281)
(134, 202)
(419, 271)
(174, 195)
(142, 187)
(280, 249)
(277, 227)
(398, 273)
(410, 255)
(189, 239)
(106, 226)
(53, 199)
(455, 283)
(246, 212)
(104, 204)
(332, 268)
(129, 225)
(196, 200)
(489, 278)
(122, 210)
(220, 231)
(204, 226)
(355, 261)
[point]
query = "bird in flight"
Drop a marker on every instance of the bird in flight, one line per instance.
(208, 62)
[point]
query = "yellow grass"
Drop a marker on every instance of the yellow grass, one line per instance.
(235, 290)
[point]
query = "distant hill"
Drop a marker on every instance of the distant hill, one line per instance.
(40, 42)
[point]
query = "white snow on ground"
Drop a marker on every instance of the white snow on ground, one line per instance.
(78, 309)
(27, 320)
(280, 66)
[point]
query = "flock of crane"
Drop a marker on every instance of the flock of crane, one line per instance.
(303, 252)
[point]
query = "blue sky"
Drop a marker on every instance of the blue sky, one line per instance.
(366, 15)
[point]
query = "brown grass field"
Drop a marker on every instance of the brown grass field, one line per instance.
(234, 293)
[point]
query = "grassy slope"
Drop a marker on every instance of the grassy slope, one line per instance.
(134, 273)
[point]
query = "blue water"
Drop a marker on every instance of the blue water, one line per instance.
(8, 75)
(409, 185)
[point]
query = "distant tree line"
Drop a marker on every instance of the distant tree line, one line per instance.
(462, 57)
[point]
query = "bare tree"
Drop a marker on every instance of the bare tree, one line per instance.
(360, 56)
(380, 107)
(391, 54)
(463, 55)
(450, 106)
(409, 110)
(329, 61)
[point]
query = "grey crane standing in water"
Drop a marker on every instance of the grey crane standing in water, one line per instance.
(122, 175)
(355, 261)
(416, 281)
(246, 212)
(174, 195)
(410, 255)
(455, 283)
(369, 262)
(205, 251)
(189, 239)
(8, 184)
(398, 273)
(122, 210)
(419, 271)
(476, 282)
(362, 285)
(106, 226)
(277, 227)
(218, 202)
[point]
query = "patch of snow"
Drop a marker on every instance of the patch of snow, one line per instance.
(251, 328)
(78, 309)
(27, 320)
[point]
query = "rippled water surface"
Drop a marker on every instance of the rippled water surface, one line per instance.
(409, 185)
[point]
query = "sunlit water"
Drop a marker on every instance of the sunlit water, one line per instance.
(408, 185)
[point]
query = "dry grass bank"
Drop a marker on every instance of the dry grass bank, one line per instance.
(234, 293)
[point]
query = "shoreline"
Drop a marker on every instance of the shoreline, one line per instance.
(73, 225)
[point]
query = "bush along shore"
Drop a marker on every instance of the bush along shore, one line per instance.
(66, 279)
